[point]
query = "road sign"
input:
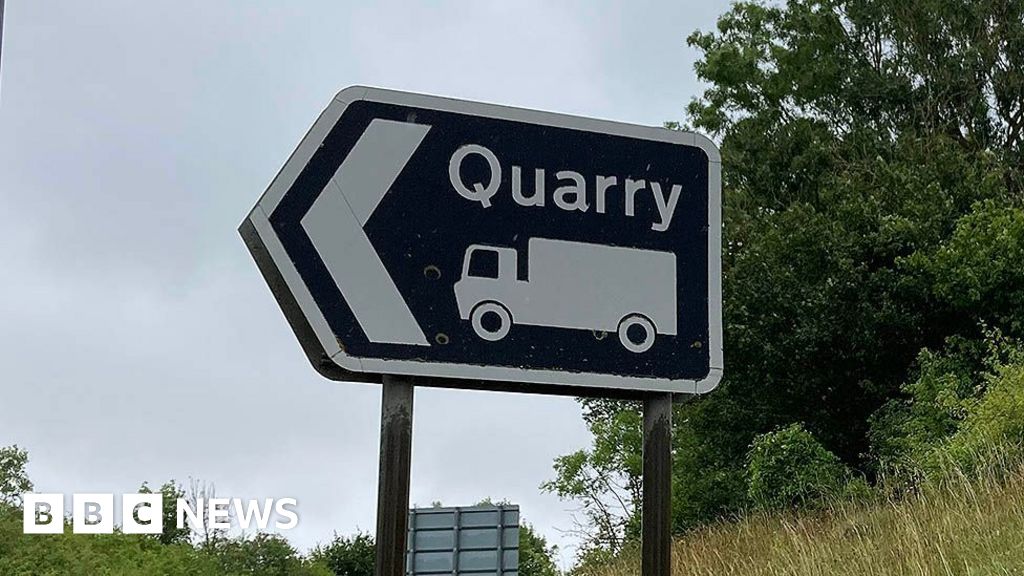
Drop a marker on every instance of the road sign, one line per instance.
(474, 245)
(467, 540)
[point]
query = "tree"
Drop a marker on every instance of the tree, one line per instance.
(348, 555)
(536, 557)
(606, 479)
(13, 478)
(863, 142)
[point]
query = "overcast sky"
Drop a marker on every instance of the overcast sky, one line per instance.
(138, 341)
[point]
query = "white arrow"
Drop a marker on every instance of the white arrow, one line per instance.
(335, 226)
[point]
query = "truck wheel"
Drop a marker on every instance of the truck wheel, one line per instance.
(636, 333)
(491, 321)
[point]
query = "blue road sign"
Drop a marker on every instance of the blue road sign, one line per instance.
(477, 245)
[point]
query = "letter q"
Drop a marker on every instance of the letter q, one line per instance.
(479, 193)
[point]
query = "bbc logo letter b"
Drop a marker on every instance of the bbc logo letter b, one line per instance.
(43, 513)
(93, 513)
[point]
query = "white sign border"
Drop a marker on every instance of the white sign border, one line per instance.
(258, 217)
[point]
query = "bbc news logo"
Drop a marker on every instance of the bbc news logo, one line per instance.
(144, 513)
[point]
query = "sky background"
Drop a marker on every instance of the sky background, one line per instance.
(139, 342)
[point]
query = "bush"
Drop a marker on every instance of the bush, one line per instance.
(938, 398)
(790, 468)
(964, 411)
(993, 426)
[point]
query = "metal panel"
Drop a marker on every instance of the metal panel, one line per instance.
(435, 520)
(432, 562)
(478, 538)
(434, 540)
(476, 541)
(478, 560)
(480, 518)
(511, 537)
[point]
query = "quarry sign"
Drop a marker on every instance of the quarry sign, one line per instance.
(471, 245)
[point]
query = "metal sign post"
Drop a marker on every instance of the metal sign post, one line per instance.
(412, 239)
(394, 477)
(656, 515)
(1, 30)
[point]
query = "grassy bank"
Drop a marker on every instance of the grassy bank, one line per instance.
(967, 526)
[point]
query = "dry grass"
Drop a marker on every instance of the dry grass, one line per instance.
(967, 526)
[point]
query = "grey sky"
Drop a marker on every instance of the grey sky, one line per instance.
(138, 340)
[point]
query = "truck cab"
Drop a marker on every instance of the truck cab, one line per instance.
(488, 273)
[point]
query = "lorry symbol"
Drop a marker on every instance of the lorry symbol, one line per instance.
(575, 285)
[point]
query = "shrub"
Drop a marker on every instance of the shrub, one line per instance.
(964, 411)
(790, 468)
(993, 427)
(938, 398)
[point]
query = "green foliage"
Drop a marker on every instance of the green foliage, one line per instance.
(992, 427)
(790, 468)
(937, 399)
(959, 408)
(536, 557)
(979, 269)
(348, 555)
(872, 173)
(263, 555)
(940, 66)
(13, 478)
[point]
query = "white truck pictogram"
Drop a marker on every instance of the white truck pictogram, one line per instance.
(576, 285)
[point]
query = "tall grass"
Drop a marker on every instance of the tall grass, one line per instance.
(967, 523)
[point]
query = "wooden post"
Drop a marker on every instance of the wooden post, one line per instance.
(657, 483)
(393, 481)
